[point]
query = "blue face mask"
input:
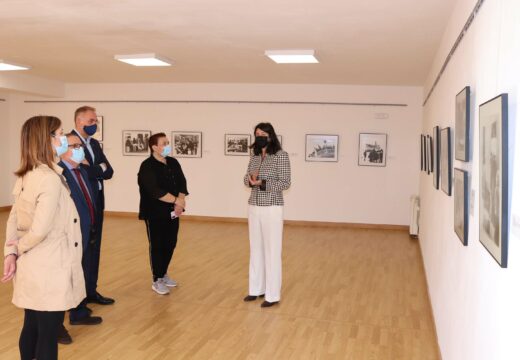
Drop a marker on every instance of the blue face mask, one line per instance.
(78, 155)
(90, 130)
(64, 147)
(166, 151)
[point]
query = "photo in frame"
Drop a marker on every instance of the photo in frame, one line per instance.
(322, 148)
(372, 149)
(135, 142)
(461, 204)
(493, 177)
(435, 156)
(237, 144)
(462, 125)
(446, 160)
(428, 154)
(187, 144)
(99, 132)
(423, 165)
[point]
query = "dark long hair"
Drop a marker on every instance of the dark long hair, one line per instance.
(273, 145)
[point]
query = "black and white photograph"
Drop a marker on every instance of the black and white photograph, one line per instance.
(99, 132)
(135, 142)
(435, 156)
(428, 155)
(323, 148)
(422, 152)
(461, 205)
(187, 144)
(237, 144)
(446, 160)
(462, 125)
(493, 178)
(372, 149)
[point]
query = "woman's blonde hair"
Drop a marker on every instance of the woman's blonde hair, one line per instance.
(36, 143)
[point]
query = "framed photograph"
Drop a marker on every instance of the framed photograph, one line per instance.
(446, 160)
(99, 132)
(187, 144)
(322, 148)
(422, 153)
(435, 156)
(493, 177)
(372, 149)
(237, 144)
(135, 142)
(461, 204)
(462, 125)
(428, 155)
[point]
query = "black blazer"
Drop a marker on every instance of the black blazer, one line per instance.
(95, 173)
(80, 201)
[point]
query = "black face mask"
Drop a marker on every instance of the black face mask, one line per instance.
(261, 142)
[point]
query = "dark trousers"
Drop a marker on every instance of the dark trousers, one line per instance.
(81, 311)
(162, 238)
(39, 337)
(95, 250)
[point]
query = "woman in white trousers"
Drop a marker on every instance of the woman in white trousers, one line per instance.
(268, 175)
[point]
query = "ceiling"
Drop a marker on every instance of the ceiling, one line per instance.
(383, 42)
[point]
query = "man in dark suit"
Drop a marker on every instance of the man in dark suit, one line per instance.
(98, 169)
(82, 194)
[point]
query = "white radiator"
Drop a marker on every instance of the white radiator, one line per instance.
(414, 215)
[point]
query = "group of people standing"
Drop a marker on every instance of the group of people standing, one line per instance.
(54, 230)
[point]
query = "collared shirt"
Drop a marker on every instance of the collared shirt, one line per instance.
(155, 180)
(275, 173)
(71, 168)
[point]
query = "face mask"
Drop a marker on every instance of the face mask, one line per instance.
(64, 147)
(78, 155)
(166, 151)
(261, 142)
(90, 130)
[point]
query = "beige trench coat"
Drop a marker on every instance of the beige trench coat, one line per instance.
(49, 276)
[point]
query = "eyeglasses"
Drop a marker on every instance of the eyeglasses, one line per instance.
(76, 146)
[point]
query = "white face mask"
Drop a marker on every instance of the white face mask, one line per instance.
(64, 147)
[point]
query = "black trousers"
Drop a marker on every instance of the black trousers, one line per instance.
(39, 337)
(95, 250)
(162, 238)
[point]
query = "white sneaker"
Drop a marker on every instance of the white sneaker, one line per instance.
(160, 288)
(168, 282)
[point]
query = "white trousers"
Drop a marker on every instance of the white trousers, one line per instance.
(265, 261)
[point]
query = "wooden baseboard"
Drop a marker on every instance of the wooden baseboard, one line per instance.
(287, 222)
(5, 208)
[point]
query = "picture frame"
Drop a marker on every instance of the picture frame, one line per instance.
(422, 152)
(372, 149)
(445, 159)
(135, 142)
(435, 157)
(321, 148)
(187, 144)
(428, 154)
(237, 144)
(462, 125)
(99, 132)
(461, 205)
(493, 177)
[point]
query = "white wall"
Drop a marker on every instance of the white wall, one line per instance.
(475, 302)
(339, 192)
(5, 167)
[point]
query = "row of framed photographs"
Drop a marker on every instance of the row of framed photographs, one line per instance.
(493, 171)
(321, 148)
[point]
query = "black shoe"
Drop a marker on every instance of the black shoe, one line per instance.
(88, 320)
(64, 336)
(100, 299)
(252, 297)
(268, 304)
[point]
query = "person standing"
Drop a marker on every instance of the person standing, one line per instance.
(82, 195)
(43, 240)
(268, 175)
(162, 187)
(98, 169)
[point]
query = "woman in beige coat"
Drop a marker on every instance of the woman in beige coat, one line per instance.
(43, 240)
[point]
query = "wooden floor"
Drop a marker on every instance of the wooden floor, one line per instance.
(347, 294)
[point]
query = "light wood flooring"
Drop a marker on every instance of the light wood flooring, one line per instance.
(347, 294)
